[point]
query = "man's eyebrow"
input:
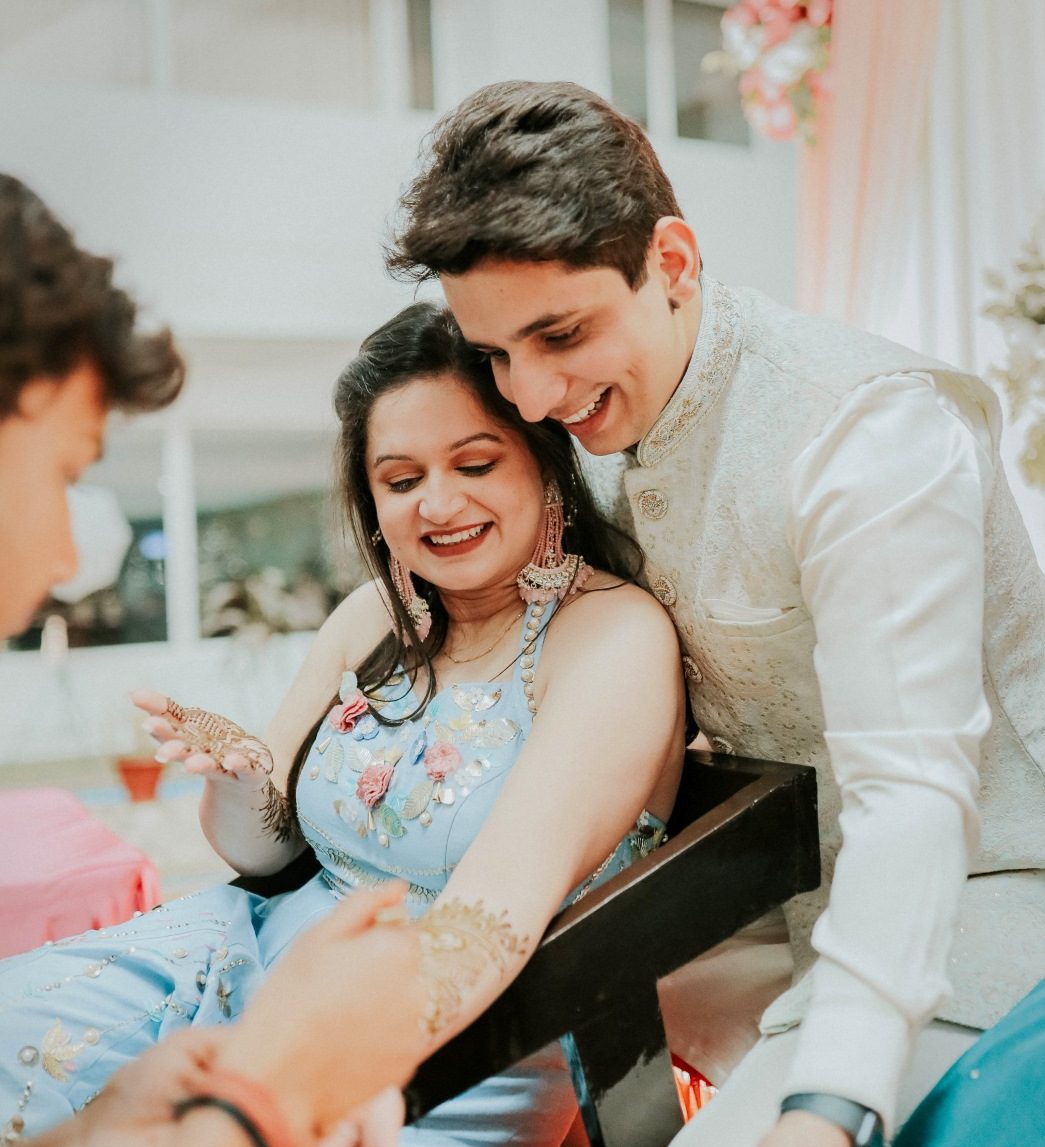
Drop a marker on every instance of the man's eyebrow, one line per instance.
(482, 436)
(542, 323)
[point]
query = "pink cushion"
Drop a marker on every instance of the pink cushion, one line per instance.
(62, 871)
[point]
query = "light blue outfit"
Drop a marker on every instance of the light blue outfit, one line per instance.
(993, 1094)
(72, 1012)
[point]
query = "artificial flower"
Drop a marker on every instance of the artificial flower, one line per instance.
(343, 717)
(373, 782)
(780, 50)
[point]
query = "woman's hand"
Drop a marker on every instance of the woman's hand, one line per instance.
(209, 744)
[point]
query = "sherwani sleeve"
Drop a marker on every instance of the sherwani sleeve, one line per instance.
(887, 525)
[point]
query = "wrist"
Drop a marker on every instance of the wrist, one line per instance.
(246, 1104)
(860, 1123)
(208, 1127)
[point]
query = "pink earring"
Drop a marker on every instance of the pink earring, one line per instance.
(416, 607)
(550, 573)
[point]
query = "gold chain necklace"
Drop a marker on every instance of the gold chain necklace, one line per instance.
(490, 648)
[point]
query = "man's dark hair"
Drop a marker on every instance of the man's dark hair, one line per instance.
(532, 172)
(58, 307)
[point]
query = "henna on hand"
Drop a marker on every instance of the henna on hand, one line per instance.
(217, 736)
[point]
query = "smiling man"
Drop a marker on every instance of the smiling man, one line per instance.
(826, 517)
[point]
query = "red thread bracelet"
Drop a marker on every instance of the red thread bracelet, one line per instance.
(253, 1101)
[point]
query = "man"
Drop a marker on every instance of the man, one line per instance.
(825, 516)
(70, 352)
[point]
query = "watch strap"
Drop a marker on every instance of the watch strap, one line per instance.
(862, 1124)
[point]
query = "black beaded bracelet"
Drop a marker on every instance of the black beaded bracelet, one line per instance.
(236, 1114)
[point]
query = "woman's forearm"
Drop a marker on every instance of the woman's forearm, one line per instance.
(249, 827)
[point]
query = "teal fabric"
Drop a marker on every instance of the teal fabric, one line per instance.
(993, 1096)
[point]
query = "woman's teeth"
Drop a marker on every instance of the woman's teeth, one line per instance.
(585, 412)
(455, 539)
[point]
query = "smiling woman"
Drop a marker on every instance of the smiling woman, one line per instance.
(457, 725)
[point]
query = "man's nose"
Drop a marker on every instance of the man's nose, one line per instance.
(535, 389)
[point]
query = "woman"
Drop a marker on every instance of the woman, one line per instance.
(507, 732)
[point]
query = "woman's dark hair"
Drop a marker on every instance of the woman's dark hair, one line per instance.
(424, 340)
(58, 306)
(532, 172)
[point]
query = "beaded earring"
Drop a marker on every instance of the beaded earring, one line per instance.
(550, 573)
(416, 607)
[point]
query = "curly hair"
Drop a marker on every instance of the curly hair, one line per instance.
(58, 306)
(532, 172)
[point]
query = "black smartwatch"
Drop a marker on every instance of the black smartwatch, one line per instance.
(860, 1123)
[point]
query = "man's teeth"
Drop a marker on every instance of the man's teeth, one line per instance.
(585, 412)
(454, 539)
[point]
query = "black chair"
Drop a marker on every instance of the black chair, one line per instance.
(742, 840)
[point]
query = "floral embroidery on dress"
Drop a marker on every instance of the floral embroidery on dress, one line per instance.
(436, 747)
(58, 1051)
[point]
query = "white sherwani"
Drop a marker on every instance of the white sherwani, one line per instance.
(825, 516)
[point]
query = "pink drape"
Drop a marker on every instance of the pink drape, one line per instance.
(856, 187)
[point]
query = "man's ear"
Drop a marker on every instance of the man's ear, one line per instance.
(674, 255)
(36, 396)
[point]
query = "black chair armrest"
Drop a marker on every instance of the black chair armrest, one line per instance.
(743, 839)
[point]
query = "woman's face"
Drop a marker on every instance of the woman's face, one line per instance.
(458, 495)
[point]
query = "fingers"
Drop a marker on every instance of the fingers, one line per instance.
(173, 750)
(376, 1124)
(383, 1119)
(150, 701)
(362, 909)
(201, 764)
(160, 729)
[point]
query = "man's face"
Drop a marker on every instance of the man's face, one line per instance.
(579, 346)
(54, 434)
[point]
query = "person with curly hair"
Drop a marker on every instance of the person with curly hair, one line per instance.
(71, 350)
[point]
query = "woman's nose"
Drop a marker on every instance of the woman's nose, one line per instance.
(442, 504)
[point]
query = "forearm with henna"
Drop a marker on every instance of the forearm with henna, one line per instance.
(467, 954)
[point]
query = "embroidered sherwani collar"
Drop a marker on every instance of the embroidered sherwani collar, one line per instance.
(710, 368)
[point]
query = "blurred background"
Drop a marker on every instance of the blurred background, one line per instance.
(242, 158)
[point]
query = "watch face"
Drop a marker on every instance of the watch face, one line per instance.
(867, 1133)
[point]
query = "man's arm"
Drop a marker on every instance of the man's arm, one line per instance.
(887, 527)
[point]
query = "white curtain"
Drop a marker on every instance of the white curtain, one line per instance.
(958, 203)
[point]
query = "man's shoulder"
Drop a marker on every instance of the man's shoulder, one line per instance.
(791, 338)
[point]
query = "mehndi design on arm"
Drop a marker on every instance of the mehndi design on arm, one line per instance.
(459, 942)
